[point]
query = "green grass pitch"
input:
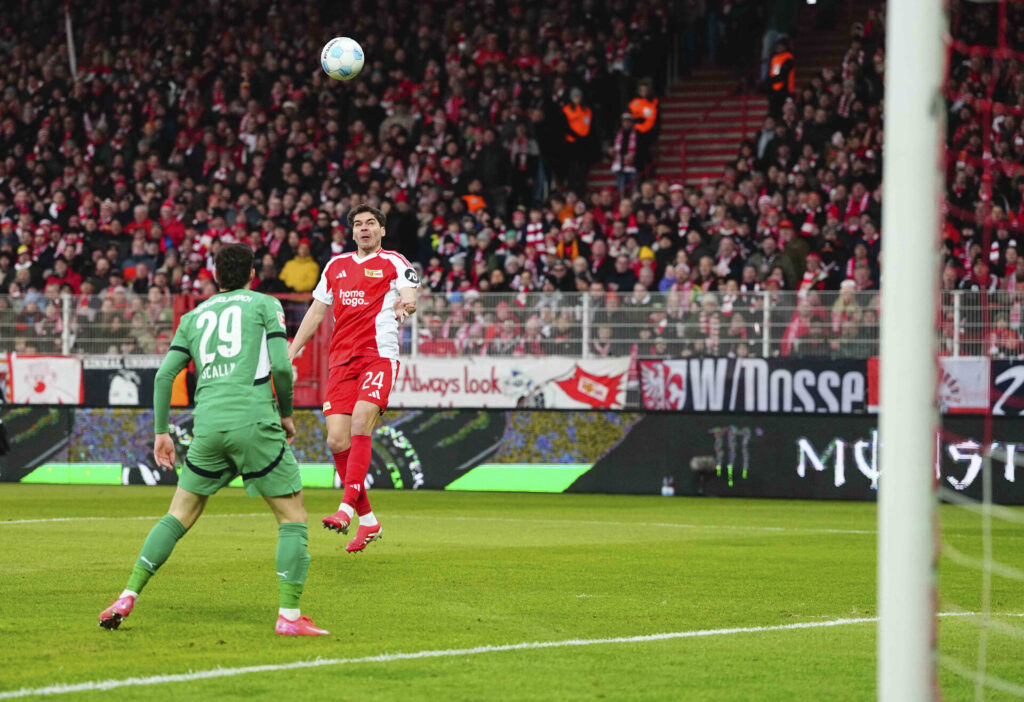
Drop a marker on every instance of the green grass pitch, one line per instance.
(457, 571)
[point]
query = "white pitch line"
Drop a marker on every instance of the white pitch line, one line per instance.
(6, 522)
(671, 525)
(516, 520)
(63, 689)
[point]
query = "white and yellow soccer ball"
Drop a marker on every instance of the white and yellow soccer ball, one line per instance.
(342, 58)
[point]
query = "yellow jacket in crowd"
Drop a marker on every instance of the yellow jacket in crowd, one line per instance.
(300, 274)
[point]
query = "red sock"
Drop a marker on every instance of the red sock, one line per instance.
(355, 476)
(363, 502)
(352, 493)
(341, 464)
(358, 460)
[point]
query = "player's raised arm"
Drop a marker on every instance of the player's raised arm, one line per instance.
(176, 359)
(405, 305)
(310, 322)
(323, 298)
(407, 283)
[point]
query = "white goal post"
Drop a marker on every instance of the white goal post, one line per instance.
(912, 192)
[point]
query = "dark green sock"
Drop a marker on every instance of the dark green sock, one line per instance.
(292, 562)
(155, 551)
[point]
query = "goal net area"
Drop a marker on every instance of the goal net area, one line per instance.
(953, 194)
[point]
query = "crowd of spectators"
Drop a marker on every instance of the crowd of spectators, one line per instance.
(118, 188)
(186, 127)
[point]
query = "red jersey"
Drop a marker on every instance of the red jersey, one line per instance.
(362, 293)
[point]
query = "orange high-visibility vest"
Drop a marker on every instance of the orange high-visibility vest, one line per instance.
(179, 390)
(645, 113)
(579, 121)
(474, 202)
(788, 83)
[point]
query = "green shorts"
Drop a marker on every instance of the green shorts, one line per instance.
(257, 452)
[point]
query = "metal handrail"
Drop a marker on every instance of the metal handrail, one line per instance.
(680, 141)
(972, 323)
(682, 159)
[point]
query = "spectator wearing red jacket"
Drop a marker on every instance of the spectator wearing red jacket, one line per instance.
(63, 275)
(435, 343)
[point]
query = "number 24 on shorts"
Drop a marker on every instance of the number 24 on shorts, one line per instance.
(375, 379)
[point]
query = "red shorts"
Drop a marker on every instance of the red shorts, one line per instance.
(365, 378)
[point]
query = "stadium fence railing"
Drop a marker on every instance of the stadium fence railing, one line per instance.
(672, 324)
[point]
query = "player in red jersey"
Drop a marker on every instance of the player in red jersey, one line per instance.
(371, 291)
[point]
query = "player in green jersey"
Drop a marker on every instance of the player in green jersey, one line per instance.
(238, 342)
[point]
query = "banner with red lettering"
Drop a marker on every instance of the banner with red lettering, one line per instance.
(481, 382)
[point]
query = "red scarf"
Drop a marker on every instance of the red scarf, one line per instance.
(711, 326)
(857, 207)
(627, 162)
(518, 152)
(796, 329)
(535, 234)
(850, 265)
(615, 52)
(811, 281)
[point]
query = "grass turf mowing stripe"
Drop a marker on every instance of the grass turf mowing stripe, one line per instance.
(442, 653)
(515, 520)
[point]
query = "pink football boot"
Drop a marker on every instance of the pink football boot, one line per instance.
(112, 616)
(303, 626)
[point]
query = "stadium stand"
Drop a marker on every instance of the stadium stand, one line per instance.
(467, 126)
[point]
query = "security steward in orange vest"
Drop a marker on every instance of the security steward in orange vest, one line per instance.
(579, 119)
(781, 78)
(644, 109)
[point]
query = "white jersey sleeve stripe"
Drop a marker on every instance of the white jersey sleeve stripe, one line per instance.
(405, 276)
(399, 256)
(323, 292)
(386, 326)
(263, 364)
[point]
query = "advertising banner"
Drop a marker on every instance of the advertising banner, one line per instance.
(551, 382)
(1008, 388)
(782, 385)
(35, 436)
(963, 384)
(815, 457)
(776, 385)
(120, 380)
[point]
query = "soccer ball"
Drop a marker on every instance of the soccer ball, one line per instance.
(342, 58)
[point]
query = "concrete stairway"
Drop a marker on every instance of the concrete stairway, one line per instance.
(704, 120)
(703, 108)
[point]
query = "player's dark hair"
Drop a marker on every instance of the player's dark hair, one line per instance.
(233, 263)
(377, 214)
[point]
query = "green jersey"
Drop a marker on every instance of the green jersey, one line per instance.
(237, 340)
